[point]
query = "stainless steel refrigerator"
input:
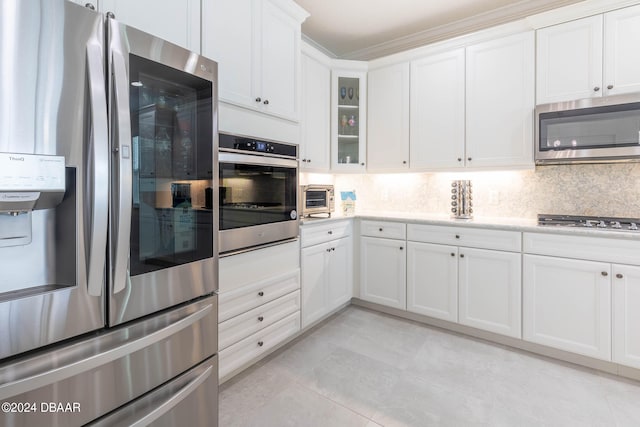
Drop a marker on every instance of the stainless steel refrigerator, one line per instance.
(108, 230)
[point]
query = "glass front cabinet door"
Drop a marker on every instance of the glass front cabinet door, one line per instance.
(349, 120)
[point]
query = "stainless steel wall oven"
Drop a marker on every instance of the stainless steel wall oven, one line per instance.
(258, 192)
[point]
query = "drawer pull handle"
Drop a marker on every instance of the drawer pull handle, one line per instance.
(260, 343)
(260, 294)
(605, 274)
(260, 319)
(619, 276)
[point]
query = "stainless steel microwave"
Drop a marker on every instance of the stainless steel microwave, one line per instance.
(317, 199)
(593, 130)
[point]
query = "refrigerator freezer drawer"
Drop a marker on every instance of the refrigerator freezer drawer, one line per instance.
(188, 400)
(102, 373)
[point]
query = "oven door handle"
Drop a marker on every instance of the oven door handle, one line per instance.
(248, 159)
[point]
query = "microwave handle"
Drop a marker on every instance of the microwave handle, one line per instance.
(99, 168)
(121, 132)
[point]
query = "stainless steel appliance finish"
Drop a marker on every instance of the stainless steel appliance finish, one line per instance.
(134, 295)
(592, 130)
(110, 297)
(258, 192)
(317, 199)
(591, 222)
(52, 80)
(102, 373)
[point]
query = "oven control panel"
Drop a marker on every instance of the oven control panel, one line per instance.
(257, 146)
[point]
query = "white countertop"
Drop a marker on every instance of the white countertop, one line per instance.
(498, 223)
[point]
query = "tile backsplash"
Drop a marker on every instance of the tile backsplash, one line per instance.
(600, 189)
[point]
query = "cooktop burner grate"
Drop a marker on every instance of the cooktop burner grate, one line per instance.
(594, 222)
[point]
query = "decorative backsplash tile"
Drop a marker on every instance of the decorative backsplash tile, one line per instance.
(601, 189)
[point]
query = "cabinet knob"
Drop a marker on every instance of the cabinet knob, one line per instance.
(362, 164)
(266, 102)
(404, 162)
(380, 229)
(461, 255)
(457, 236)
(260, 319)
(401, 247)
(452, 254)
(260, 343)
(604, 273)
(308, 160)
(619, 276)
(596, 89)
(610, 87)
(90, 6)
(304, 160)
(330, 232)
(258, 99)
(260, 294)
(111, 15)
(459, 159)
(469, 158)
(333, 249)
(328, 249)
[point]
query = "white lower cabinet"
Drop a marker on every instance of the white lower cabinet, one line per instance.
(626, 315)
(327, 269)
(567, 304)
(383, 265)
(490, 290)
(432, 280)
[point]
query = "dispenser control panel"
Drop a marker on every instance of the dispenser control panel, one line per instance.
(30, 172)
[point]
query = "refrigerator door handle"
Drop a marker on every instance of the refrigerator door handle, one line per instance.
(122, 152)
(84, 364)
(99, 167)
(170, 403)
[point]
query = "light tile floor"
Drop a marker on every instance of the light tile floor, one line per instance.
(363, 368)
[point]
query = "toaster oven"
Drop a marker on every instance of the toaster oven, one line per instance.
(317, 199)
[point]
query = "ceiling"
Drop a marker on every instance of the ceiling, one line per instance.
(367, 29)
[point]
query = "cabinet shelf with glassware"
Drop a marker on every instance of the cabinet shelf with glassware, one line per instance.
(348, 119)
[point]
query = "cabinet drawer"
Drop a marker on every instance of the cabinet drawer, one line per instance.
(243, 325)
(250, 348)
(253, 295)
(500, 240)
(583, 247)
(385, 229)
(312, 234)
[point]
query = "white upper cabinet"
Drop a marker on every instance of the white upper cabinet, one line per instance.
(500, 102)
(388, 118)
(257, 46)
(590, 57)
(437, 111)
(315, 122)
(621, 52)
(174, 21)
(570, 60)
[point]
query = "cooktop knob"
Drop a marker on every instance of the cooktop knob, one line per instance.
(588, 223)
(633, 226)
(616, 224)
(602, 224)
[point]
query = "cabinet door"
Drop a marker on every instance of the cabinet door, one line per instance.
(569, 61)
(314, 263)
(437, 111)
(177, 22)
(316, 110)
(340, 277)
(432, 280)
(500, 101)
(490, 290)
(388, 118)
(567, 304)
(348, 120)
(626, 315)
(280, 52)
(382, 271)
(229, 31)
(621, 53)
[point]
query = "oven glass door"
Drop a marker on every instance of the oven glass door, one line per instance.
(256, 194)
(172, 134)
(316, 199)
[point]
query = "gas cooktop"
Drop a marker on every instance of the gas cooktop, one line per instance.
(593, 222)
